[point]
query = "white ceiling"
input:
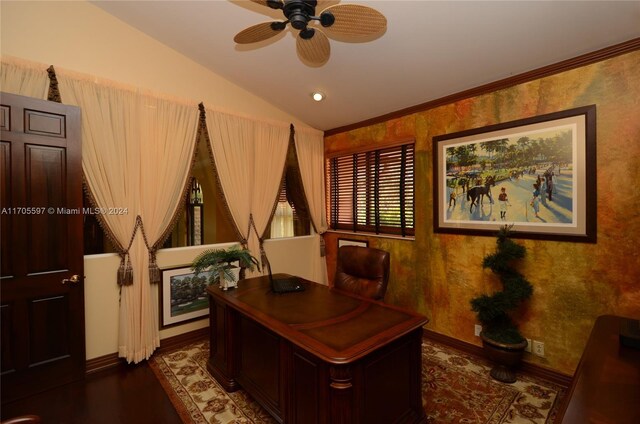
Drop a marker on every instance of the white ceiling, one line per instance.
(430, 49)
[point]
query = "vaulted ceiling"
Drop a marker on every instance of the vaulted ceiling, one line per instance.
(431, 49)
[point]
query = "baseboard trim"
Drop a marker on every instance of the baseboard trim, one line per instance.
(532, 369)
(102, 363)
(112, 360)
(180, 340)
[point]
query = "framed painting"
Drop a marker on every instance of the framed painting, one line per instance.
(352, 242)
(183, 296)
(537, 174)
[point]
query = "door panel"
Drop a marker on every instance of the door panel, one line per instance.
(47, 124)
(49, 335)
(43, 342)
(5, 119)
(6, 323)
(45, 185)
(6, 268)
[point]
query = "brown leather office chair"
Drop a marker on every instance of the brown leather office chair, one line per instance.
(363, 271)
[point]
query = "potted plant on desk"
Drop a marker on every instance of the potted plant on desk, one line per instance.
(501, 339)
(222, 264)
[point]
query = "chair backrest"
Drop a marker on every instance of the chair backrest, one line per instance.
(363, 271)
(23, 419)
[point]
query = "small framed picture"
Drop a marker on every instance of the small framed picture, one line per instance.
(183, 296)
(351, 242)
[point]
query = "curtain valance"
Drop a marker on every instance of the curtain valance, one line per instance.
(24, 78)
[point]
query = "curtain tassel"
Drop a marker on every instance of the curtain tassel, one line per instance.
(125, 271)
(323, 249)
(154, 271)
(120, 277)
(263, 256)
(128, 274)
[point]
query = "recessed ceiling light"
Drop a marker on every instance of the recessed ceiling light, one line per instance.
(317, 96)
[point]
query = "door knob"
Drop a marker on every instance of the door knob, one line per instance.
(75, 279)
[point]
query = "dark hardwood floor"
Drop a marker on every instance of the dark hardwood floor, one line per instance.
(131, 394)
(125, 394)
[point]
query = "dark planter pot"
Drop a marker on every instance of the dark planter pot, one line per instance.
(506, 357)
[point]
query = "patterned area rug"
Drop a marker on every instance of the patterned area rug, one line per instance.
(456, 389)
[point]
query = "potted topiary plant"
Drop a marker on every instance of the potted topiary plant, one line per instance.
(221, 264)
(501, 339)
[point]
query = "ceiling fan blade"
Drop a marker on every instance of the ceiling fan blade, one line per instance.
(258, 32)
(323, 4)
(314, 50)
(356, 20)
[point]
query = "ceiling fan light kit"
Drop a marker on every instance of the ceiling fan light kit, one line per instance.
(312, 45)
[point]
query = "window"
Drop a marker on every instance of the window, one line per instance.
(195, 214)
(290, 218)
(373, 191)
(282, 221)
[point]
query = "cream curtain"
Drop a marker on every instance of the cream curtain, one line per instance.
(271, 144)
(310, 149)
(231, 140)
(24, 78)
(249, 157)
(137, 153)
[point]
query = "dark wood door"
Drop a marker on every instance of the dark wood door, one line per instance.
(42, 303)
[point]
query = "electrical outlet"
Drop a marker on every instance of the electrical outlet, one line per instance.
(538, 348)
(477, 330)
(528, 348)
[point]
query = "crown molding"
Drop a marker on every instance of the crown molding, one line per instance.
(545, 71)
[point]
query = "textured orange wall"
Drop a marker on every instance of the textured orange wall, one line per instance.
(573, 283)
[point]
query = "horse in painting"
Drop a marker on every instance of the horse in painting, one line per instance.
(476, 193)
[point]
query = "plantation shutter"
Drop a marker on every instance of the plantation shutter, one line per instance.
(373, 191)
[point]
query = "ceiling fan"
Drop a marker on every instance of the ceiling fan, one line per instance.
(351, 21)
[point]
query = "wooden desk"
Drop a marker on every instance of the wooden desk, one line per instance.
(318, 356)
(606, 385)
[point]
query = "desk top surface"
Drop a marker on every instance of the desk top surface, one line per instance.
(331, 324)
(606, 386)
